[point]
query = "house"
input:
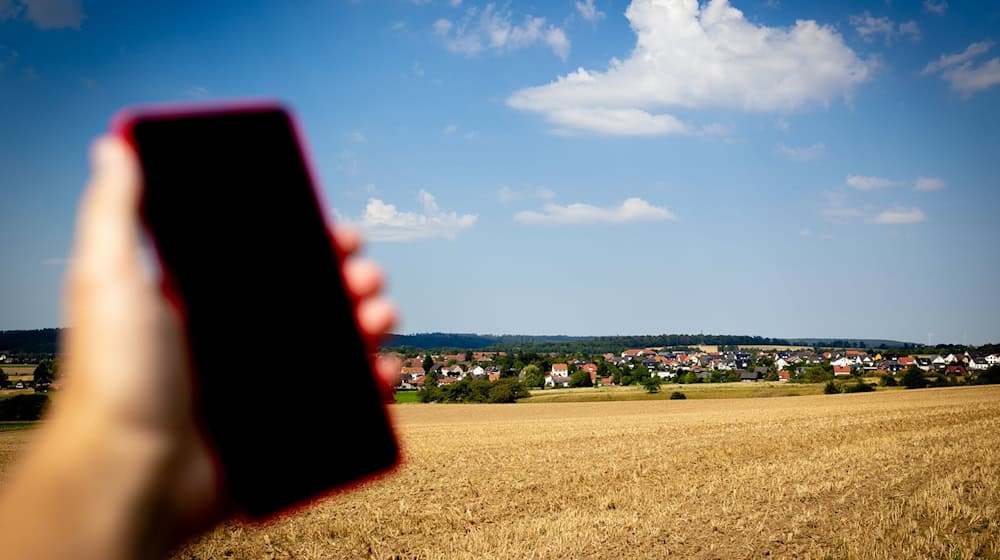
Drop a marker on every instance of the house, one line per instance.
(607, 381)
(906, 361)
(447, 381)
(842, 362)
(955, 369)
(477, 372)
(747, 376)
(841, 370)
(978, 363)
(556, 381)
(781, 363)
(411, 370)
(993, 359)
(560, 370)
(784, 375)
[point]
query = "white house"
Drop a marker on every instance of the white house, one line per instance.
(560, 370)
(993, 359)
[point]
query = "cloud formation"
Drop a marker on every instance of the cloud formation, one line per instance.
(45, 14)
(928, 184)
(899, 216)
(935, 7)
(691, 56)
(863, 183)
(962, 74)
(384, 222)
(631, 210)
(870, 27)
(492, 28)
(805, 153)
(589, 11)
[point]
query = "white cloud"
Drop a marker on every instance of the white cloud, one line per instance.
(783, 125)
(397, 25)
(455, 3)
(691, 56)
(962, 74)
(631, 210)
(935, 7)
(450, 128)
(928, 184)
(54, 14)
(421, 2)
(615, 122)
(870, 27)
(384, 222)
(506, 194)
(493, 29)
(8, 10)
(356, 136)
(589, 11)
(968, 79)
(801, 154)
(949, 60)
(863, 183)
(899, 216)
(805, 232)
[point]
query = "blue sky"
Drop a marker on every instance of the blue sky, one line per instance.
(785, 168)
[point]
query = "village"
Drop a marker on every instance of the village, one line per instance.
(703, 364)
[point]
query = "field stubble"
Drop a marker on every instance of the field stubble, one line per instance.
(887, 475)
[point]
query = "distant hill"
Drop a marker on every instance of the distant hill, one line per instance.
(45, 341)
(41, 341)
(853, 343)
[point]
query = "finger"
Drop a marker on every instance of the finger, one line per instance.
(376, 316)
(389, 369)
(107, 233)
(363, 278)
(347, 239)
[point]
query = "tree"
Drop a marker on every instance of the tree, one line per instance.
(43, 373)
(533, 376)
(989, 377)
(691, 377)
(468, 355)
(914, 378)
(831, 388)
(580, 378)
(652, 383)
(4, 380)
(677, 396)
(427, 364)
(888, 381)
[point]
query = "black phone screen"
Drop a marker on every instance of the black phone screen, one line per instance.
(284, 386)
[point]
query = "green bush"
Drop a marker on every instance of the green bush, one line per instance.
(677, 395)
(652, 384)
(23, 407)
(831, 388)
(859, 387)
(888, 381)
(914, 378)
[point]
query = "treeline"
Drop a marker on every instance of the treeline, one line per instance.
(566, 344)
(27, 344)
(505, 390)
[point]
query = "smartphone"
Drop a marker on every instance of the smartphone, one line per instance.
(285, 390)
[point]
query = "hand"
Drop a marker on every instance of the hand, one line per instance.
(119, 459)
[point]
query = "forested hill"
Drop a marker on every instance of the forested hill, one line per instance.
(41, 341)
(586, 344)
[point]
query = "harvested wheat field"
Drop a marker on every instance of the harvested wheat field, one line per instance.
(904, 474)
